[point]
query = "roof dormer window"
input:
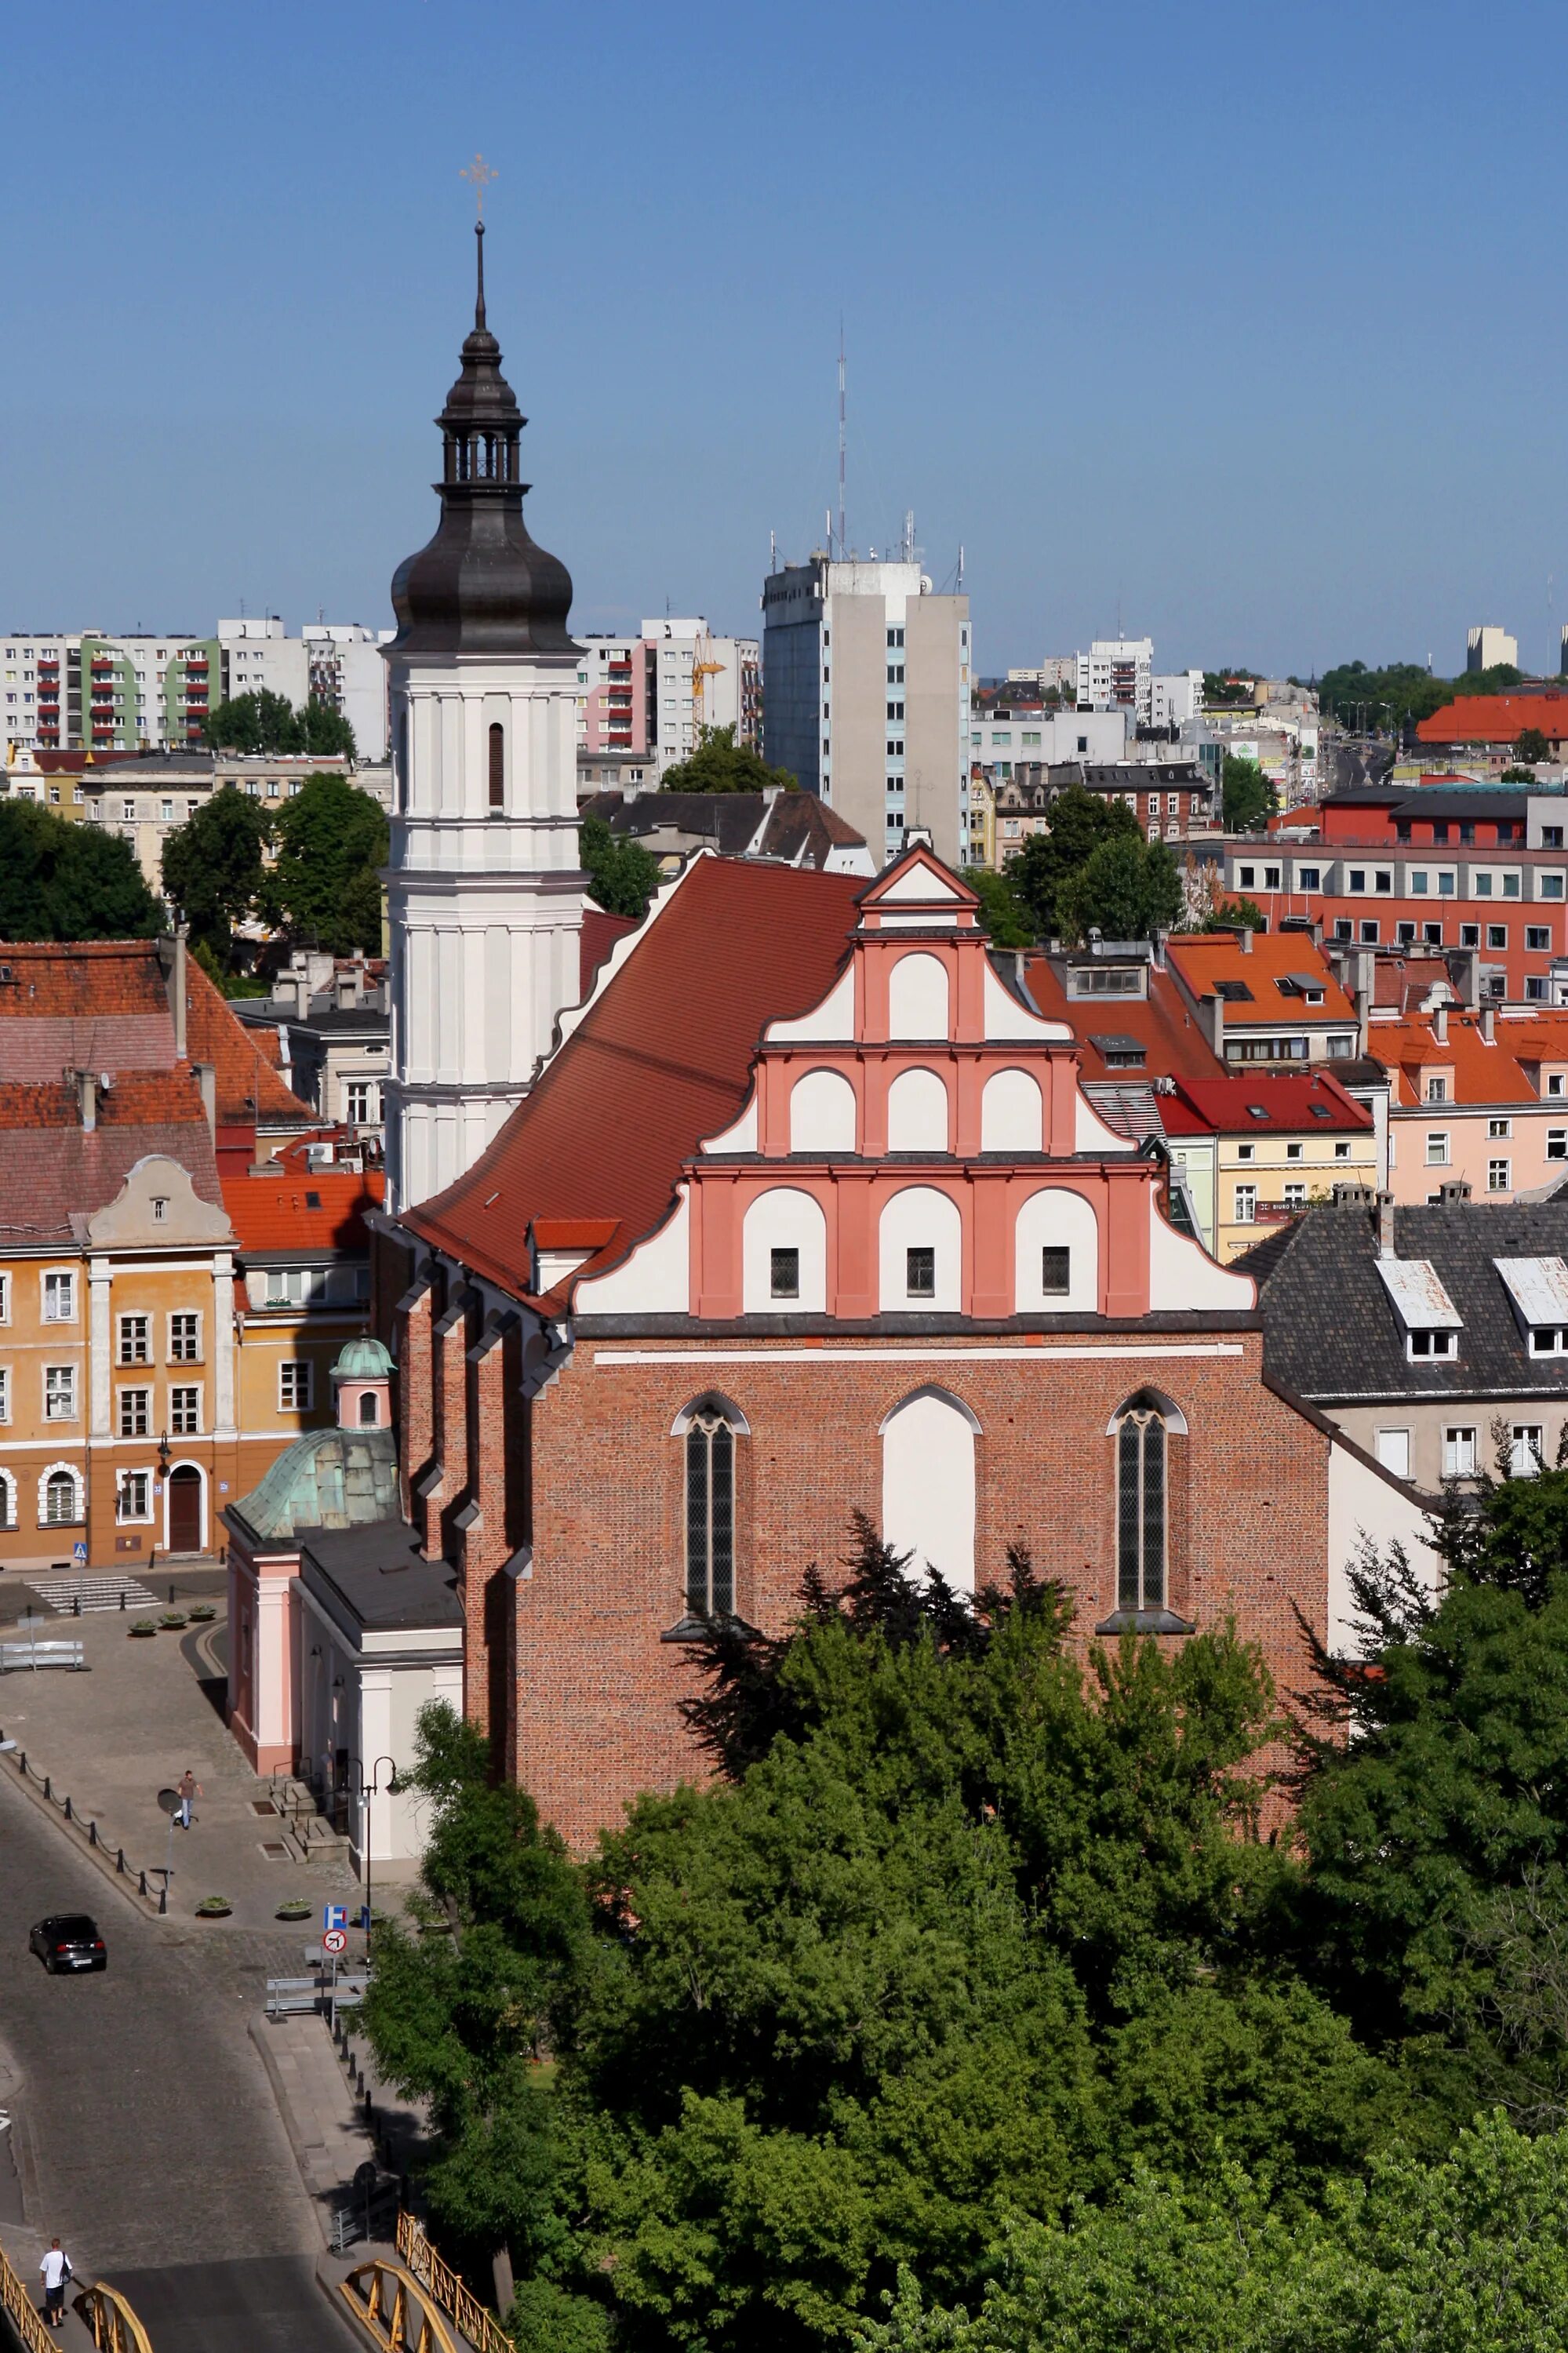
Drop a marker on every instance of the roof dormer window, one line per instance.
(1538, 1289)
(1431, 1320)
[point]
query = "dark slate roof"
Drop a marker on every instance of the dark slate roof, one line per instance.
(378, 1576)
(1330, 1327)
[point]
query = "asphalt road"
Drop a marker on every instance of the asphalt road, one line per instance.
(149, 2137)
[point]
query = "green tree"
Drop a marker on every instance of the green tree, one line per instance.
(623, 874)
(720, 765)
(62, 879)
(326, 886)
(1530, 744)
(1002, 912)
(463, 2009)
(1248, 797)
(214, 869)
(962, 1931)
(1080, 822)
(267, 722)
(1515, 774)
(1467, 2255)
(1127, 889)
(1436, 1833)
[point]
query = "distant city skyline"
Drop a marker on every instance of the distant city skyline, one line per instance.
(1160, 330)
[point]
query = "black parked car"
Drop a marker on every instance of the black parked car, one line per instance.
(69, 1940)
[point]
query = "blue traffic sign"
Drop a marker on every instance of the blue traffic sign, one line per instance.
(335, 1915)
(79, 1551)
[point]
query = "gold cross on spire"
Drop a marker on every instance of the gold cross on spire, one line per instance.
(480, 172)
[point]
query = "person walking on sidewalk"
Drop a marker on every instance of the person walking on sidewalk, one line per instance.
(186, 1788)
(55, 2272)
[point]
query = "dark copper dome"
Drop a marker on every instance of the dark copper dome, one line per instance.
(481, 585)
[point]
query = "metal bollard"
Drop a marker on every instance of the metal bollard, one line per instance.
(120, 1861)
(92, 1834)
(75, 1605)
(47, 1792)
(122, 1596)
(68, 1815)
(143, 1888)
(164, 1897)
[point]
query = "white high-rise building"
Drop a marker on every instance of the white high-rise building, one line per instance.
(1487, 647)
(1117, 674)
(484, 892)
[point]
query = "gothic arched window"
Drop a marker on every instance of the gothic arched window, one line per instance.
(497, 765)
(1143, 1460)
(710, 1511)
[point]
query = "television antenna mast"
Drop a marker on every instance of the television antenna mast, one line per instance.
(841, 418)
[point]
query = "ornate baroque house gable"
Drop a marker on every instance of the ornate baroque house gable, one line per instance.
(915, 1145)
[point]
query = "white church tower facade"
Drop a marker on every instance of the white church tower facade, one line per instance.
(484, 892)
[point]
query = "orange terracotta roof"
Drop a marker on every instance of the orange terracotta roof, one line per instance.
(660, 1060)
(250, 1090)
(1480, 1073)
(52, 1169)
(136, 1099)
(1175, 1046)
(599, 933)
(1207, 958)
(315, 1209)
(1496, 718)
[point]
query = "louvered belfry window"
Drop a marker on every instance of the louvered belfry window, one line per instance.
(497, 765)
(1140, 1461)
(710, 1516)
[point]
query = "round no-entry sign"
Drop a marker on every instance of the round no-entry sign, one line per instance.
(335, 1941)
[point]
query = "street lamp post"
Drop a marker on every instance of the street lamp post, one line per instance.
(366, 1790)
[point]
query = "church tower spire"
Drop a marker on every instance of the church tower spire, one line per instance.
(484, 892)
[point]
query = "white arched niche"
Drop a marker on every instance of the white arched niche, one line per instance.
(1013, 1113)
(822, 1113)
(784, 1220)
(1052, 1221)
(929, 1484)
(918, 997)
(917, 1112)
(916, 1220)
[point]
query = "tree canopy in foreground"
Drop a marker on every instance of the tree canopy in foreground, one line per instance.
(63, 879)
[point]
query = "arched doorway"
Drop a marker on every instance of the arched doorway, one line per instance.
(184, 1531)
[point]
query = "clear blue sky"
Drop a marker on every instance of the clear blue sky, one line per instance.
(1246, 317)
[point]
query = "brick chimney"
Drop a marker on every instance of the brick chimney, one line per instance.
(1385, 1226)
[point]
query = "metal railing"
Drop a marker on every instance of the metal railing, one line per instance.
(29, 2323)
(158, 1897)
(115, 2327)
(396, 2309)
(453, 2295)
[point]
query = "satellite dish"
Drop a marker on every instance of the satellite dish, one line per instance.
(926, 583)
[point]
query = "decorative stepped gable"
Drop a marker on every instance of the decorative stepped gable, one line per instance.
(917, 1145)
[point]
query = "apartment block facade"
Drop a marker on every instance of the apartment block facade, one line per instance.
(867, 678)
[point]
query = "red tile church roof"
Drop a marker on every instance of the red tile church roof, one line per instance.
(660, 1060)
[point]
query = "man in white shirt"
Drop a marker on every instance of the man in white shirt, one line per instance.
(55, 2272)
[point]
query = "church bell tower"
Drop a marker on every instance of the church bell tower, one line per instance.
(484, 891)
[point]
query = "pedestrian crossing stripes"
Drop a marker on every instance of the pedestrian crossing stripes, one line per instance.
(64, 1594)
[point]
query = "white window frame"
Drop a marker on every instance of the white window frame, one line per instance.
(1437, 1155)
(8, 1519)
(184, 1389)
(4, 1298)
(1245, 1211)
(123, 1331)
(125, 1409)
(178, 1314)
(1402, 1437)
(1459, 1451)
(78, 1507)
(1429, 1347)
(1500, 1184)
(296, 1373)
(58, 1281)
(142, 1518)
(64, 1378)
(1522, 1434)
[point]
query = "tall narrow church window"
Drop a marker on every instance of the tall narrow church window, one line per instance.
(1141, 1462)
(710, 1516)
(497, 765)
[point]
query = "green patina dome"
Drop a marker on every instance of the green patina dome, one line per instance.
(363, 1359)
(328, 1479)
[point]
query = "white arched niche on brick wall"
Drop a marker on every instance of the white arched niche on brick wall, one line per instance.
(784, 1219)
(822, 1113)
(1049, 1222)
(917, 1112)
(929, 1484)
(918, 997)
(920, 1219)
(1013, 1113)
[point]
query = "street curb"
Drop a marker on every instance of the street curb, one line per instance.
(99, 1856)
(257, 2028)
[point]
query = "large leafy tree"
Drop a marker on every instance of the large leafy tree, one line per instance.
(1003, 912)
(1248, 799)
(623, 874)
(267, 722)
(1127, 889)
(961, 1933)
(1469, 2255)
(720, 765)
(214, 869)
(1081, 822)
(1437, 1832)
(466, 2001)
(61, 879)
(325, 887)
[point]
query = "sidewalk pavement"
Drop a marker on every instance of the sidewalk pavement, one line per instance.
(24, 2251)
(114, 1735)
